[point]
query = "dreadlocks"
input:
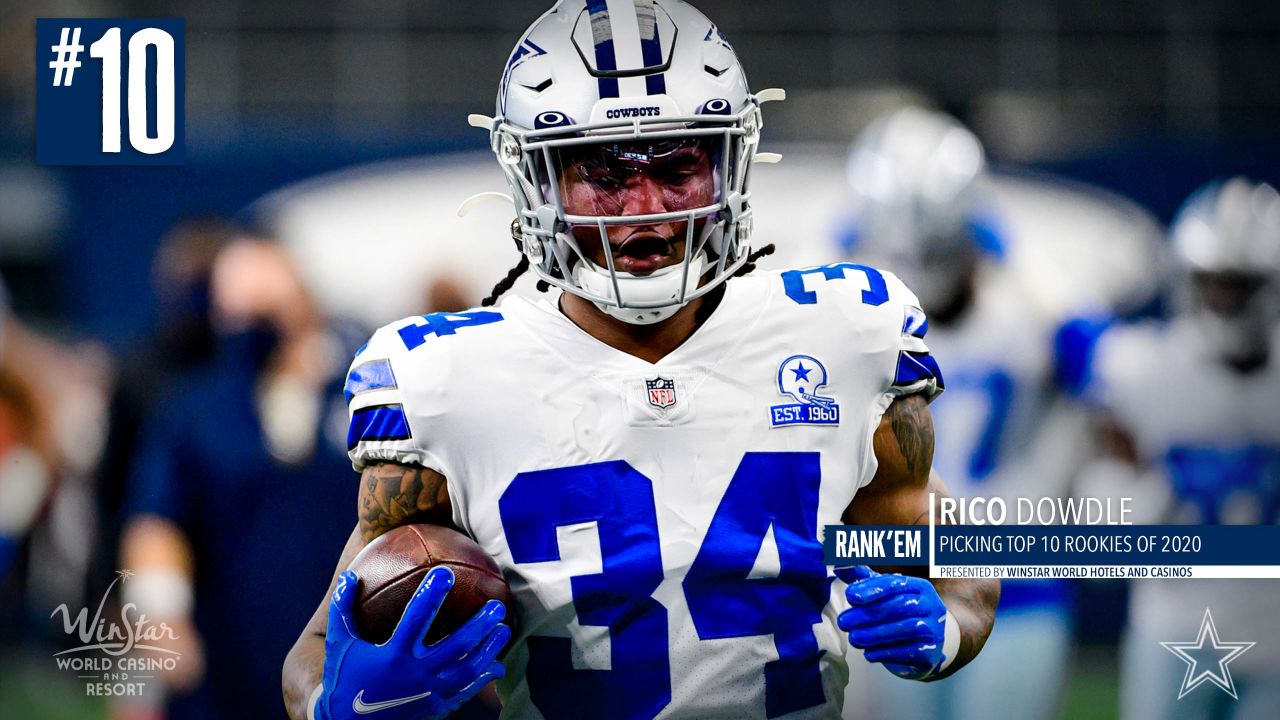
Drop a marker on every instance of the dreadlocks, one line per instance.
(750, 264)
(505, 283)
(514, 273)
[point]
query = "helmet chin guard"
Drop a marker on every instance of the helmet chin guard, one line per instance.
(631, 77)
(651, 298)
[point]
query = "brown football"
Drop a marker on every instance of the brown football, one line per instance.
(391, 567)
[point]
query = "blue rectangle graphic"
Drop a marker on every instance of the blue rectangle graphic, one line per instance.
(845, 545)
(1107, 545)
(110, 91)
(1055, 545)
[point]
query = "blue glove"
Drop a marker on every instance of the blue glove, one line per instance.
(899, 621)
(404, 679)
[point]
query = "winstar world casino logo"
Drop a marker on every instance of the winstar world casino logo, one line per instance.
(117, 654)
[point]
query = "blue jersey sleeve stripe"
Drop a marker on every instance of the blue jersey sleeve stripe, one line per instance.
(380, 422)
(914, 367)
(916, 323)
(370, 376)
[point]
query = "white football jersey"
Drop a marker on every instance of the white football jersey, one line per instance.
(1212, 436)
(1184, 407)
(660, 524)
(999, 431)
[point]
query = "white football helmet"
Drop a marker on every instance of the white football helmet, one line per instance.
(1226, 239)
(630, 81)
(917, 178)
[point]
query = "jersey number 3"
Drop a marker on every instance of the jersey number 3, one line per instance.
(768, 490)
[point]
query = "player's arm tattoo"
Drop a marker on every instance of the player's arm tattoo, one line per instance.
(903, 444)
(392, 495)
(912, 426)
(899, 494)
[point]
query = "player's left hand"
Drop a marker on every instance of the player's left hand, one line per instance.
(897, 620)
(405, 678)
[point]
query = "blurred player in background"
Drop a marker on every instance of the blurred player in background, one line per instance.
(1190, 418)
(25, 479)
(182, 340)
(24, 475)
(54, 398)
(52, 402)
(925, 206)
(650, 453)
(232, 488)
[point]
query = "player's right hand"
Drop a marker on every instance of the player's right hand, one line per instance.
(405, 679)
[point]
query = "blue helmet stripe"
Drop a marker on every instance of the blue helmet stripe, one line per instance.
(650, 46)
(602, 36)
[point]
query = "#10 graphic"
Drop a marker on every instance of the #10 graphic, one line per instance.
(110, 91)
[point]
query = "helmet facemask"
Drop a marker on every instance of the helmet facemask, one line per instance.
(1226, 240)
(919, 183)
(673, 185)
(1235, 312)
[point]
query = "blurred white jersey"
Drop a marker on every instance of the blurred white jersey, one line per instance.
(997, 434)
(1210, 438)
(1065, 249)
(1051, 249)
(660, 524)
(1001, 430)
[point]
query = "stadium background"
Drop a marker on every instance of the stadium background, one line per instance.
(1148, 99)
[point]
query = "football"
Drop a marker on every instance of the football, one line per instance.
(391, 567)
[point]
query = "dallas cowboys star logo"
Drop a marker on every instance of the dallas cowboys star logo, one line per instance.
(802, 372)
(1207, 661)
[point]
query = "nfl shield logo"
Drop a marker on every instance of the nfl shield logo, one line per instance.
(662, 392)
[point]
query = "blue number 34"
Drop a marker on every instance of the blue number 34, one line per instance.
(778, 490)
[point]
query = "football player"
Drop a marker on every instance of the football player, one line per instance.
(1191, 423)
(651, 452)
(925, 205)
